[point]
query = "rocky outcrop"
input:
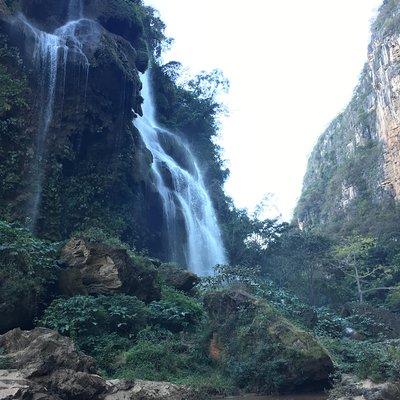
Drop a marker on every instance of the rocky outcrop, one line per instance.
(147, 390)
(178, 278)
(42, 364)
(350, 388)
(47, 362)
(353, 172)
(98, 268)
(384, 63)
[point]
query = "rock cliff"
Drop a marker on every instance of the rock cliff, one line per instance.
(353, 173)
(91, 167)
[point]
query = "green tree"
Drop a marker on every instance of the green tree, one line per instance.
(353, 258)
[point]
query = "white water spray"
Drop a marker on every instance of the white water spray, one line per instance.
(183, 193)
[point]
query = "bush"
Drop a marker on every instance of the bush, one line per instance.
(83, 316)
(377, 361)
(28, 275)
(176, 311)
(179, 358)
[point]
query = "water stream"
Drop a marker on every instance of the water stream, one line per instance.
(183, 193)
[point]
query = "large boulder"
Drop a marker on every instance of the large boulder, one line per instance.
(47, 362)
(178, 277)
(42, 351)
(43, 365)
(98, 268)
(270, 352)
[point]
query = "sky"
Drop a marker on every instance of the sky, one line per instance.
(292, 66)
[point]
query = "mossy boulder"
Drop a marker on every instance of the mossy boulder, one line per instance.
(98, 268)
(262, 350)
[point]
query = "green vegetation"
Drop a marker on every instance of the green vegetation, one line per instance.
(256, 325)
(28, 276)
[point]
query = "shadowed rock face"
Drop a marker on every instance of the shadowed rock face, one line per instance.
(95, 165)
(97, 268)
(45, 365)
(178, 277)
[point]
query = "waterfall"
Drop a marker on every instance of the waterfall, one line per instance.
(180, 185)
(50, 56)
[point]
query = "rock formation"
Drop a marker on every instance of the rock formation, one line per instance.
(307, 363)
(98, 268)
(42, 364)
(354, 170)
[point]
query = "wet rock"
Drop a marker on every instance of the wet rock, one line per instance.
(97, 268)
(350, 388)
(147, 390)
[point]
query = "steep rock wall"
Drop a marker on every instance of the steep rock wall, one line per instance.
(353, 173)
(95, 167)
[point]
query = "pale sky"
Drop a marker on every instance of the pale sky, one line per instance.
(292, 65)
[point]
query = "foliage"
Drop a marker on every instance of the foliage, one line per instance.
(388, 18)
(300, 261)
(4, 360)
(81, 316)
(14, 157)
(28, 275)
(379, 361)
(176, 311)
(183, 359)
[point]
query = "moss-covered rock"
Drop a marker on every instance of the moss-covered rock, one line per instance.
(262, 350)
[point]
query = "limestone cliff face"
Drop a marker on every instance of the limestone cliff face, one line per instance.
(384, 64)
(354, 171)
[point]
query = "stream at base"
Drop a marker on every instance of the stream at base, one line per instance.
(313, 396)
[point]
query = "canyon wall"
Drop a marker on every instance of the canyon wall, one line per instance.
(353, 174)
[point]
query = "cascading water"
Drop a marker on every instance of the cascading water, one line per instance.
(50, 56)
(183, 193)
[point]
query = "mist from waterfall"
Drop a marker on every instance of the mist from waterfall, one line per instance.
(183, 193)
(50, 56)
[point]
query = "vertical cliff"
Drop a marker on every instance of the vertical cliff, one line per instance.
(353, 174)
(70, 155)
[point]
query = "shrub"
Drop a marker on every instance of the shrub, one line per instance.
(179, 358)
(176, 311)
(379, 361)
(27, 276)
(83, 316)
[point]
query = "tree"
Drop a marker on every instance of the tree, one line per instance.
(353, 260)
(299, 261)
